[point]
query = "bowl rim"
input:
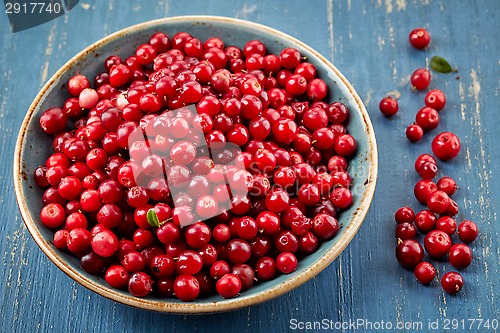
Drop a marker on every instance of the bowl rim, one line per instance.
(209, 307)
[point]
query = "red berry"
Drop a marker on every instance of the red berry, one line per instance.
(105, 243)
(467, 231)
(53, 215)
(414, 133)
(388, 106)
(325, 226)
(425, 221)
(422, 159)
(277, 200)
(420, 79)
(452, 282)
(424, 189)
(419, 38)
(78, 240)
(239, 251)
(189, 262)
(53, 121)
(460, 256)
(409, 253)
(437, 243)
(265, 269)
(446, 224)
(438, 202)
(228, 286)
(133, 262)
(435, 99)
(140, 284)
(77, 83)
(448, 185)
(117, 277)
(446, 146)
(404, 214)
(341, 197)
(207, 206)
(345, 145)
(286, 262)
(428, 170)
(406, 230)
(290, 58)
(425, 272)
(186, 287)
(427, 118)
(317, 89)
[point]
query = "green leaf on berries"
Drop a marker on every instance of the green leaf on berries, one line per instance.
(439, 64)
(153, 218)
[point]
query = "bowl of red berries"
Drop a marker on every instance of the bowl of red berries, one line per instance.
(195, 165)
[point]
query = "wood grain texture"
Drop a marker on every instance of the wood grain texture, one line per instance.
(367, 41)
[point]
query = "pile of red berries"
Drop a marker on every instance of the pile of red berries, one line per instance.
(437, 222)
(167, 120)
(438, 226)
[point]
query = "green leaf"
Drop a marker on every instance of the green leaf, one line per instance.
(153, 218)
(439, 64)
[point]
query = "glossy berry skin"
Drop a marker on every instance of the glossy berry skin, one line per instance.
(265, 269)
(345, 145)
(447, 224)
(460, 256)
(277, 201)
(197, 235)
(425, 221)
(406, 230)
(424, 189)
(446, 146)
(53, 215)
(388, 106)
(186, 287)
(286, 262)
(467, 231)
(105, 243)
(452, 209)
(404, 214)
(325, 226)
(447, 185)
(421, 79)
(425, 272)
(435, 99)
(189, 262)
(428, 170)
(409, 253)
(133, 261)
(419, 38)
(414, 133)
(140, 284)
(239, 251)
(438, 202)
(117, 277)
(452, 282)
(423, 159)
(437, 243)
(341, 197)
(228, 286)
(427, 118)
(53, 121)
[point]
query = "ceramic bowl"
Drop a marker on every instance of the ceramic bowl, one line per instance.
(33, 146)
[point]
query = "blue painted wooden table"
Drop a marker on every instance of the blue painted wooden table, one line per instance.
(364, 287)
